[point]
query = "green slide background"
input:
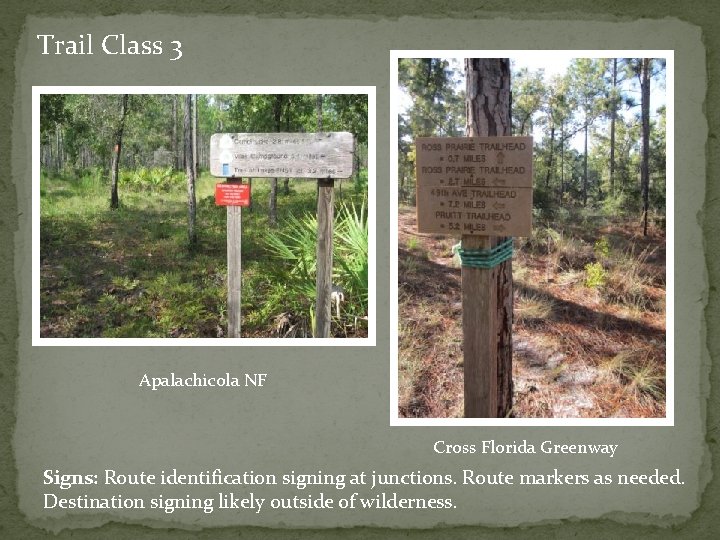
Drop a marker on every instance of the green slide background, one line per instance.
(350, 411)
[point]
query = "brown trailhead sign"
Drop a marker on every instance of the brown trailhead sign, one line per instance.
(282, 155)
(474, 185)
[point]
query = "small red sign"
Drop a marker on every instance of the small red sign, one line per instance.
(232, 194)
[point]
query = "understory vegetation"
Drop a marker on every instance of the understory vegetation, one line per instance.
(589, 321)
(129, 272)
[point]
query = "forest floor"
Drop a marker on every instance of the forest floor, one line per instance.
(129, 272)
(589, 322)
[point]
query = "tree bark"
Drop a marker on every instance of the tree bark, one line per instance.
(613, 118)
(196, 166)
(487, 324)
(115, 166)
(585, 165)
(272, 204)
(174, 143)
(189, 170)
(550, 157)
(286, 182)
(645, 167)
(562, 161)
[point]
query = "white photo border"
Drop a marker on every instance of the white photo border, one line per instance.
(369, 341)
(669, 419)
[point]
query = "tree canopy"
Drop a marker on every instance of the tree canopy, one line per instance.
(587, 123)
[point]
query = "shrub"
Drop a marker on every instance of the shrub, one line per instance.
(152, 179)
(595, 275)
(602, 248)
(294, 242)
(361, 182)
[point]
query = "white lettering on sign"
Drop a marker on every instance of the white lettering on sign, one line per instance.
(474, 185)
(286, 155)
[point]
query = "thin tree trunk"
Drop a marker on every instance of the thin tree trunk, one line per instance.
(189, 170)
(550, 157)
(487, 325)
(58, 161)
(585, 165)
(562, 161)
(195, 137)
(645, 167)
(174, 142)
(63, 156)
(286, 182)
(114, 199)
(272, 203)
(613, 118)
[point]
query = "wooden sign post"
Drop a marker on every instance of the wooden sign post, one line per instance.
(322, 156)
(477, 188)
(229, 195)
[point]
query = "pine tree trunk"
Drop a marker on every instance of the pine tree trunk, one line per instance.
(488, 114)
(272, 203)
(174, 142)
(189, 169)
(645, 167)
(562, 161)
(585, 165)
(286, 182)
(195, 137)
(115, 166)
(613, 118)
(57, 147)
(63, 156)
(550, 157)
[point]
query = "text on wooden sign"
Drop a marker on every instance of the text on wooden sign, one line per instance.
(474, 185)
(282, 155)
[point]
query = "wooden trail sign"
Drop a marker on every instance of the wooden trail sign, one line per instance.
(323, 156)
(479, 188)
(474, 185)
(282, 155)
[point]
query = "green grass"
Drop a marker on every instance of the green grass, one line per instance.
(129, 272)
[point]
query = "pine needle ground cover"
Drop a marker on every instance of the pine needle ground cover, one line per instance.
(129, 272)
(589, 321)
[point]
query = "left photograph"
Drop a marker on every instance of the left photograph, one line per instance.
(203, 215)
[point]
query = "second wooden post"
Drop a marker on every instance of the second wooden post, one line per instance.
(323, 279)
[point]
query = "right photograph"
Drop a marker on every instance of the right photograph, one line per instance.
(534, 216)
